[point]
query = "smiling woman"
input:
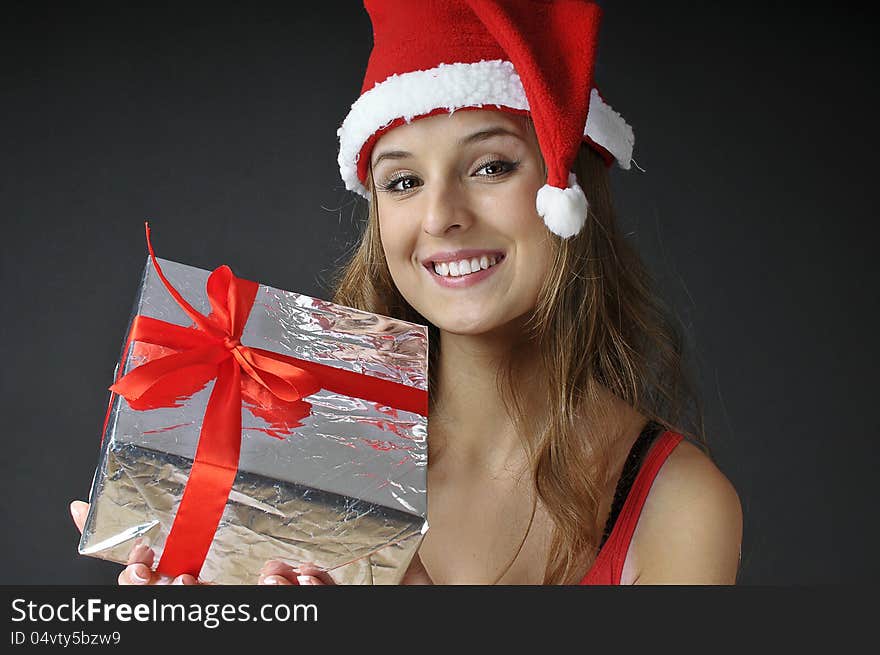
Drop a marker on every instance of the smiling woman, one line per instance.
(560, 415)
(549, 378)
(559, 401)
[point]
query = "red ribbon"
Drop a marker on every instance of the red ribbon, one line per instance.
(212, 350)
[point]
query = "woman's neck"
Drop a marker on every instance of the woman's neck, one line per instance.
(470, 425)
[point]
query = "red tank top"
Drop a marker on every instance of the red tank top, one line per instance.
(608, 566)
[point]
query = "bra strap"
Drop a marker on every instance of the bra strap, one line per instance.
(628, 475)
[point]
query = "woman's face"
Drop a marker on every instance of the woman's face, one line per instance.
(462, 187)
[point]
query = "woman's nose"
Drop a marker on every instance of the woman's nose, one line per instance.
(446, 207)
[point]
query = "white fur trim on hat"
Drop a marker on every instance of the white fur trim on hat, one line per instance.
(564, 210)
(453, 86)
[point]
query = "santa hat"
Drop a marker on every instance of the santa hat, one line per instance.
(523, 56)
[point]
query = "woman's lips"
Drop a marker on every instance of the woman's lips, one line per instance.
(463, 281)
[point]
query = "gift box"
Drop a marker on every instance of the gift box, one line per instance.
(247, 424)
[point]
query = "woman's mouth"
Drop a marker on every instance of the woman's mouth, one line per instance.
(465, 272)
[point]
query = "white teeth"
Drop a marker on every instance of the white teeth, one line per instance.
(464, 267)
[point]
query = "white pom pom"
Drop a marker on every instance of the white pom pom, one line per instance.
(563, 210)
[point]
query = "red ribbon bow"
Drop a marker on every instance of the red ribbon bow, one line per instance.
(213, 350)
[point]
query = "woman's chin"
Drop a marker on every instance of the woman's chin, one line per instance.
(466, 327)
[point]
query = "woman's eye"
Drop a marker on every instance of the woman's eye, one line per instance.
(400, 184)
(497, 167)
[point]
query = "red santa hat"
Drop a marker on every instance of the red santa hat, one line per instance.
(523, 56)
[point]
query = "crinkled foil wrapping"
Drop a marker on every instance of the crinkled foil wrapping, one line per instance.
(345, 489)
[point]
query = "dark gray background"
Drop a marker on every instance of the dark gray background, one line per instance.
(755, 129)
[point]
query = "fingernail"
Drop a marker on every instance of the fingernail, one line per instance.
(177, 580)
(272, 579)
(305, 580)
(137, 575)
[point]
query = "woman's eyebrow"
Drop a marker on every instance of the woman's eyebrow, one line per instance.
(482, 135)
(487, 133)
(392, 154)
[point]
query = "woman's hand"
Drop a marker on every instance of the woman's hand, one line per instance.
(140, 560)
(279, 573)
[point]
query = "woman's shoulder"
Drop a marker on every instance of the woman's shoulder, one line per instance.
(690, 527)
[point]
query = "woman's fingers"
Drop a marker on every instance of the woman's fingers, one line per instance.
(141, 554)
(141, 574)
(140, 569)
(309, 574)
(281, 573)
(137, 574)
(186, 578)
(79, 511)
(306, 580)
(274, 580)
(277, 573)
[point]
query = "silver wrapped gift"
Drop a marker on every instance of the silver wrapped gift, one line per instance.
(343, 487)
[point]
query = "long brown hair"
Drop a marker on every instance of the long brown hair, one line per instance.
(598, 326)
